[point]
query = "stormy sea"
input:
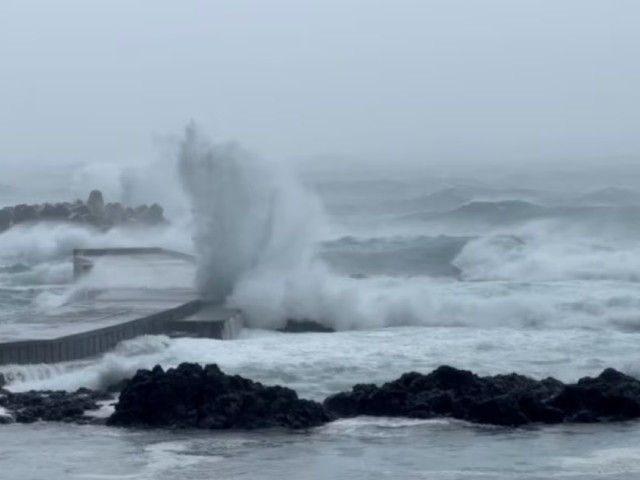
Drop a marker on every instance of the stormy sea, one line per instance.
(412, 270)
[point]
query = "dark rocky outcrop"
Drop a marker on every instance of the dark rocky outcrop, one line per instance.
(510, 400)
(152, 215)
(305, 326)
(115, 213)
(58, 211)
(92, 213)
(192, 396)
(53, 406)
(6, 218)
(24, 213)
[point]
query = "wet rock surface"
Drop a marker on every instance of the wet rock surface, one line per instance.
(94, 212)
(192, 396)
(50, 406)
(509, 400)
(305, 326)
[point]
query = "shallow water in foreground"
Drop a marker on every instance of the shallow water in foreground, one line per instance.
(363, 448)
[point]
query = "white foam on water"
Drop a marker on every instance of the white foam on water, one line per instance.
(316, 365)
(5, 413)
(122, 363)
(106, 409)
(544, 251)
(620, 461)
(168, 459)
(16, 375)
(383, 427)
(251, 216)
(42, 242)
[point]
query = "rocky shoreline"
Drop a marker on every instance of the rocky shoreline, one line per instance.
(50, 406)
(94, 212)
(508, 400)
(193, 396)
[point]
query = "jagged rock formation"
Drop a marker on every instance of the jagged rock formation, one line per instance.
(94, 212)
(510, 400)
(192, 396)
(51, 406)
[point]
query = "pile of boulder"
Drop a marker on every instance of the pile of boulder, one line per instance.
(94, 212)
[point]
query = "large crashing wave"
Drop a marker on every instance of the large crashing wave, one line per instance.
(256, 230)
(250, 216)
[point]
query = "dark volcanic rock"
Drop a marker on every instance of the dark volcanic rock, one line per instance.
(140, 210)
(6, 217)
(95, 202)
(115, 213)
(80, 209)
(24, 213)
(153, 215)
(58, 211)
(76, 218)
(29, 407)
(191, 396)
(611, 396)
(510, 400)
(305, 326)
(118, 386)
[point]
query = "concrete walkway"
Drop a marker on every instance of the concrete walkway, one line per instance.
(118, 295)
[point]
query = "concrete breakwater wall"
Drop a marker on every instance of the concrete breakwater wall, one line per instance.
(83, 257)
(194, 318)
(95, 342)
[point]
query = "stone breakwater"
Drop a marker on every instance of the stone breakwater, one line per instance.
(193, 396)
(92, 212)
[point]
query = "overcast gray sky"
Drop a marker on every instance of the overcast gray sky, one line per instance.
(515, 79)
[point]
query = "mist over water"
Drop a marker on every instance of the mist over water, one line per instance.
(486, 277)
(442, 182)
(361, 253)
(512, 269)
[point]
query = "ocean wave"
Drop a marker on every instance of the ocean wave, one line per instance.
(395, 256)
(545, 254)
(317, 365)
(483, 214)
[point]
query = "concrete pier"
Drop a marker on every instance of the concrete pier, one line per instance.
(120, 294)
